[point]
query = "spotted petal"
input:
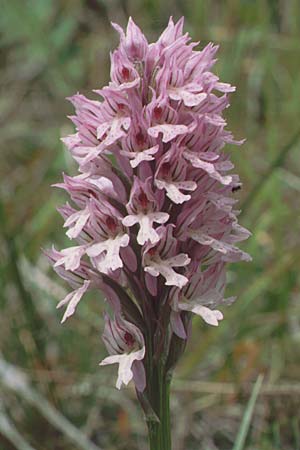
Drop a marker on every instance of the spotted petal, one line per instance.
(107, 253)
(146, 231)
(232, 253)
(173, 189)
(168, 131)
(189, 98)
(115, 129)
(137, 157)
(208, 167)
(157, 266)
(78, 221)
(70, 257)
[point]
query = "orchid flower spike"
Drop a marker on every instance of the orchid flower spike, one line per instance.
(152, 211)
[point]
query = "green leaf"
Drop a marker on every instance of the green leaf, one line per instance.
(245, 425)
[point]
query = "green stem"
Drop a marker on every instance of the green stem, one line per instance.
(166, 412)
(159, 395)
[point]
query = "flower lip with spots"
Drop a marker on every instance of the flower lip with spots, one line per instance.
(126, 345)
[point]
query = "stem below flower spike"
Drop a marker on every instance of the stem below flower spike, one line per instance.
(159, 394)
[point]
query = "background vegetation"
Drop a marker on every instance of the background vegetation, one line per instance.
(53, 395)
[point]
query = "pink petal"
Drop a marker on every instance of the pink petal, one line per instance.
(168, 131)
(209, 316)
(130, 220)
(189, 98)
(111, 260)
(72, 300)
(173, 192)
(207, 167)
(70, 257)
(139, 375)
(78, 219)
(177, 325)
(151, 284)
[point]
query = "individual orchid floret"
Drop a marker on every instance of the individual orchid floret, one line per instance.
(75, 220)
(88, 114)
(80, 279)
(116, 117)
(80, 190)
(171, 33)
(162, 258)
(138, 146)
(189, 94)
(123, 73)
(133, 44)
(164, 120)
(143, 208)
(109, 237)
(75, 278)
(146, 154)
(173, 81)
(71, 257)
(201, 296)
(106, 254)
(213, 169)
(215, 235)
(171, 176)
(125, 343)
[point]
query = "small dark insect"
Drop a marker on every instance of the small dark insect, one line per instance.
(236, 188)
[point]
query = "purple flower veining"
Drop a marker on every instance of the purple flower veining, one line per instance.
(152, 211)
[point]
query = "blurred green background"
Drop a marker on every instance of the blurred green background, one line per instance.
(53, 395)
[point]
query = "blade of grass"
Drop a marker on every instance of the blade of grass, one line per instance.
(14, 379)
(245, 425)
(10, 432)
